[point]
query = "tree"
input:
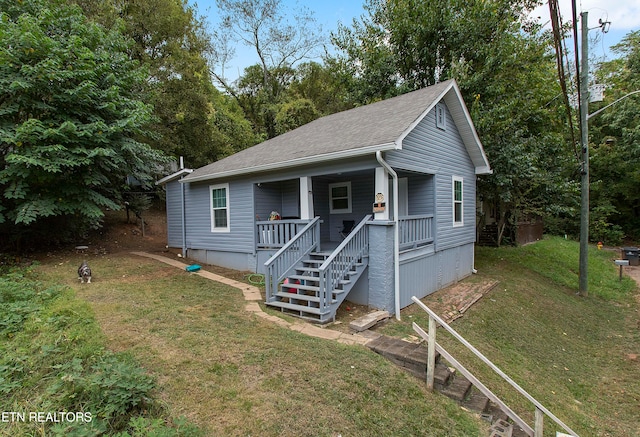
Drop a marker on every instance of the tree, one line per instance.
(615, 138)
(503, 66)
(294, 114)
(72, 119)
(170, 39)
(279, 45)
(407, 44)
(323, 84)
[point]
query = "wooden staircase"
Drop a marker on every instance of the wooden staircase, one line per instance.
(488, 236)
(301, 294)
(412, 357)
(310, 284)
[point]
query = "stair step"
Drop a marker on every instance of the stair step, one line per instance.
(316, 279)
(476, 401)
(296, 296)
(313, 261)
(305, 278)
(457, 389)
(325, 255)
(308, 269)
(296, 307)
(294, 286)
(311, 288)
(441, 375)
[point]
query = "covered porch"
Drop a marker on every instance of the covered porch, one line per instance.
(340, 201)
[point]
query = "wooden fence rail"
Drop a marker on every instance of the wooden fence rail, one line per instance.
(432, 346)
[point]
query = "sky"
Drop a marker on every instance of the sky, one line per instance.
(624, 16)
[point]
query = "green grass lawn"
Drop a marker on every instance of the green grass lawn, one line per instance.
(232, 373)
(571, 353)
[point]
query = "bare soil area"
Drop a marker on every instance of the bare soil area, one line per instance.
(119, 236)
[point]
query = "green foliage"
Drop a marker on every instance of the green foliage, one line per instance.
(295, 114)
(601, 227)
(53, 359)
(615, 138)
(145, 427)
(138, 202)
(323, 85)
(112, 388)
(18, 302)
(503, 66)
(72, 119)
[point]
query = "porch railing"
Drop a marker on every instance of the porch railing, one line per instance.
(432, 347)
(282, 263)
(415, 231)
(342, 261)
(277, 233)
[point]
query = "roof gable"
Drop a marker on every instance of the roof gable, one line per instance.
(360, 131)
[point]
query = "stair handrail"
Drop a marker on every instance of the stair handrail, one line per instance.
(286, 258)
(431, 339)
(328, 282)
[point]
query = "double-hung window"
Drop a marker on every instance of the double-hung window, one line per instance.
(219, 195)
(458, 202)
(340, 198)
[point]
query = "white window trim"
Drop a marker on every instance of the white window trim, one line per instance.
(213, 224)
(346, 210)
(455, 179)
(441, 117)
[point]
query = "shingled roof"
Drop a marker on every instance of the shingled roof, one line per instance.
(360, 131)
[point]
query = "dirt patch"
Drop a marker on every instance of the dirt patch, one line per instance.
(119, 235)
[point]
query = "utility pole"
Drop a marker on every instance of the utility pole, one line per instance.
(584, 141)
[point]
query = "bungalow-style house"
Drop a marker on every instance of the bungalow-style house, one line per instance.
(377, 203)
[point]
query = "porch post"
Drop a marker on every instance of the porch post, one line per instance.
(382, 188)
(306, 198)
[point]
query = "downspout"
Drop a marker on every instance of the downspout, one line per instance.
(184, 220)
(396, 233)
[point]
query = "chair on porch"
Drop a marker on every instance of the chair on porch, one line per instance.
(347, 227)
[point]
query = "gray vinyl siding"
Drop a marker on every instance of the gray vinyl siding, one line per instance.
(441, 152)
(268, 198)
(362, 197)
(281, 196)
(421, 192)
(241, 221)
(291, 198)
(425, 273)
(321, 206)
(174, 214)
